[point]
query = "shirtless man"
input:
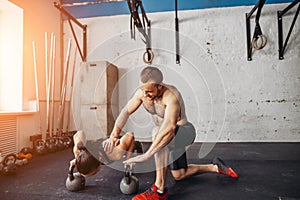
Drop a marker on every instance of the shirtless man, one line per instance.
(172, 133)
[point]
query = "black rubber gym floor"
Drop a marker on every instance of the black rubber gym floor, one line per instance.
(266, 170)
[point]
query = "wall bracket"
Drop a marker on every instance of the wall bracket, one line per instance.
(83, 51)
(259, 40)
(280, 14)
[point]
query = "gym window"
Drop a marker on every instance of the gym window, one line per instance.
(11, 57)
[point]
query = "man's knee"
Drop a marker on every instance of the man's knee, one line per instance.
(79, 136)
(128, 139)
(178, 174)
(130, 136)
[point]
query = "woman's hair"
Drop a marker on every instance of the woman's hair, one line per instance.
(153, 74)
(85, 161)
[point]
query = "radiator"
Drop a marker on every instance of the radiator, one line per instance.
(8, 135)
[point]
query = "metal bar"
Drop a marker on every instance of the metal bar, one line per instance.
(83, 27)
(248, 32)
(62, 45)
(59, 7)
(71, 91)
(52, 130)
(35, 78)
(76, 40)
(253, 10)
(279, 20)
(289, 7)
(44, 135)
(63, 92)
(84, 43)
(280, 14)
(36, 86)
(291, 28)
(49, 84)
(177, 33)
(258, 6)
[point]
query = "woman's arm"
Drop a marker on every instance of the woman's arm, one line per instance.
(132, 105)
(78, 137)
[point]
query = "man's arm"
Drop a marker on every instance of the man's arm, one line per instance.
(132, 105)
(165, 133)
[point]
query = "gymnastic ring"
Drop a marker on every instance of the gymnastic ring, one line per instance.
(262, 44)
(149, 60)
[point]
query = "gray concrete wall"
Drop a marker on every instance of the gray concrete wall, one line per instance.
(227, 97)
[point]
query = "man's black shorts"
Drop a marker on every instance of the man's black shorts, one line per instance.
(184, 136)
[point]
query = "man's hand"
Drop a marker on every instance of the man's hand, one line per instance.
(140, 158)
(110, 143)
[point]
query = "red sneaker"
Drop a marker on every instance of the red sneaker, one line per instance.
(151, 194)
(224, 169)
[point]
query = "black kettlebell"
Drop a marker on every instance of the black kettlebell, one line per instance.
(59, 143)
(50, 145)
(40, 146)
(129, 183)
(9, 166)
(75, 181)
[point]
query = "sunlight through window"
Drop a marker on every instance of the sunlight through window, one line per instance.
(11, 56)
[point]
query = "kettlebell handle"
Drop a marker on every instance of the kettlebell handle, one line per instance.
(128, 171)
(128, 174)
(71, 174)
